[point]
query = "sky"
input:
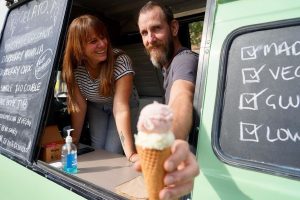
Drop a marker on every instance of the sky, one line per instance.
(3, 11)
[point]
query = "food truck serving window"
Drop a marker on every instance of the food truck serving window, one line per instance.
(256, 121)
(28, 52)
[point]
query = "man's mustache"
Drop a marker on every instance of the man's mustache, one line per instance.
(154, 46)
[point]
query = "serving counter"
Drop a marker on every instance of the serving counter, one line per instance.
(110, 171)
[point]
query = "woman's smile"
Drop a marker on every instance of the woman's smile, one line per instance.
(96, 48)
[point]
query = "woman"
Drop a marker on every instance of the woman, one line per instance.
(99, 81)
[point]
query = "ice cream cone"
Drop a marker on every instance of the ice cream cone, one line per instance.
(153, 142)
(152, 162)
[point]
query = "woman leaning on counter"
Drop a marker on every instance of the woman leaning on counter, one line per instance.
(100, 82)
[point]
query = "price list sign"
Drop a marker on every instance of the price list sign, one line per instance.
(258, 114)
(28, 49)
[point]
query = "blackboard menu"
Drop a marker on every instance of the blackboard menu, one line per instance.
(258, 114)
(28, 50)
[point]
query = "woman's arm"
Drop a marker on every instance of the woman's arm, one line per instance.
(121, 112)
(77, 118)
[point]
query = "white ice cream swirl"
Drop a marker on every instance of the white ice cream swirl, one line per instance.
(154, 127)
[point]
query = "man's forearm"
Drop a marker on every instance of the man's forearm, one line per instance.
(183, 116)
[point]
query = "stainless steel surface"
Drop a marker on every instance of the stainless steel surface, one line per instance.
(125, 12)
(104, 169)
(121, 10)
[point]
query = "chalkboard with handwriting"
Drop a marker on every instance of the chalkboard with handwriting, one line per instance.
(28, 50)
(259, 98)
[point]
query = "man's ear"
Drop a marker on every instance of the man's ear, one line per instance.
(174, 27)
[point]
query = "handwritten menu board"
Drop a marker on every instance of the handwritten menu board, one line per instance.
(28, 49)
(259, 120)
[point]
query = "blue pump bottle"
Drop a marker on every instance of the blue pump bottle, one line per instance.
(69, 155)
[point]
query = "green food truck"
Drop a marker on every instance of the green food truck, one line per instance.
(246, 101)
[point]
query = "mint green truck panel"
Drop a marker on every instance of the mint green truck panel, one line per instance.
(217, 179)
(18, 182)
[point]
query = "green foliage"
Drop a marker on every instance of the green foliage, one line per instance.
(196, 32)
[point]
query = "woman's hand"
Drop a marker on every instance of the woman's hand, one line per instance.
(133, 158)
(181, 168)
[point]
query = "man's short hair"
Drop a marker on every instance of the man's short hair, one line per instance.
(166, 10)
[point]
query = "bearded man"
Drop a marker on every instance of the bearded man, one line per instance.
(159, 31)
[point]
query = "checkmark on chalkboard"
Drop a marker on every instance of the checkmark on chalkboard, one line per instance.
(248, 53)
(248, 101)
(249, 132)
(251, 75)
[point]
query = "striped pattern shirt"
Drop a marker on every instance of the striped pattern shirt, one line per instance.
(89, 87)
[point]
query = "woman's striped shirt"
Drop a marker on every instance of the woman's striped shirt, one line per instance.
(89, 87)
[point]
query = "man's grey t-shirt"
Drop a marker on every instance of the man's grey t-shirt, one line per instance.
(183, 67)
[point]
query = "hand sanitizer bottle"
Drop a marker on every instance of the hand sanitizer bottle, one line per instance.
(69, 155)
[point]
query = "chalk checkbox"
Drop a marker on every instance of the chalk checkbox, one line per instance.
(248, 101)
(249, 132)
(248, 53)
(251, 75)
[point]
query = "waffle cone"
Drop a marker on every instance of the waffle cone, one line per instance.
(152, 162)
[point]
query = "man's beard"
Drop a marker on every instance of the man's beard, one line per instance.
(160, 54)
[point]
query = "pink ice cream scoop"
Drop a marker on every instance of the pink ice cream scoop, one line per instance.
(155, 118)
(153, 143)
